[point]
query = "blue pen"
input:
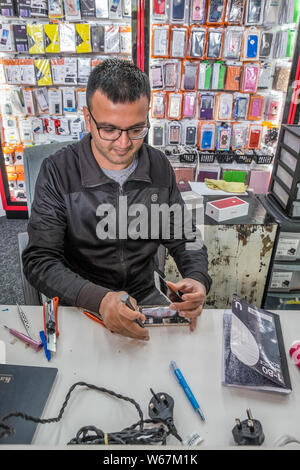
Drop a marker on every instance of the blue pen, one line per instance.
(44, 341)
(174, 368)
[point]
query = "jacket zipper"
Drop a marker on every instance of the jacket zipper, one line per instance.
(121, 241)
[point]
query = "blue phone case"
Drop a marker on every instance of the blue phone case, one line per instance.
(206, 140)
(252, 46)
(178, 9)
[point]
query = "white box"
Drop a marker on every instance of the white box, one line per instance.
(228, 208)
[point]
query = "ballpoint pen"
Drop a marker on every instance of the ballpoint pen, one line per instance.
(36, 345)
(174, 368)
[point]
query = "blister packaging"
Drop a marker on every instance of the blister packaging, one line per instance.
(271, 12)
(240, 106)
(51, 38)
(233, 42)
(125, 39)
(265, 75)
(112, 39)
(172, 75)
(28, 101)
(72, 10)
(216, 12)
(69, 100)
(254, 136)
(41, 98)
(218, 75)
(20, 37)
(174, 106)
(174, 133)
(43, 72)
(235, 12)
(178, 41)
(250, 77)
(256, 106)
(83, 70)
(223, 106)
(7, 43)
(207, 136)
(204, 75)
(158, 104)
(39, 8)
(17, 101)
(81, 98)
(206, 106)
(115, 9)
(25, 128)
(251, 40)
(214, 43)
(159, 10)
(35, 35)
(98, 37)
(67, 37)
(55, 101)
(197, 42)
(254, 12)
(266, 43)
(157, 133)
(189, 132)
(157, 75)
(197, 11)
(101, 8)
(239, 135)
(189, 76)
(189, 105)
(160, 40)
(55, 9)
(273, 105)
(83, 38)
(88, 8)
(178, 11)
(7, 8)
(281, 77)
(233, 76)
(223, 137)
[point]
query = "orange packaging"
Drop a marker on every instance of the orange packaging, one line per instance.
(160, 40)
(233, 75)
(256, 107)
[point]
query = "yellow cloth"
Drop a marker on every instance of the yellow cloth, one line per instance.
(228, 186)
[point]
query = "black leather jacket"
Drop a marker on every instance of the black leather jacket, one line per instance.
(66, 258)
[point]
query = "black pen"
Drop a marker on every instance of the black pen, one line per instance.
(126, 300)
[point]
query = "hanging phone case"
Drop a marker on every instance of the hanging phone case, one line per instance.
(190, 135)
(207, 136)
(216, 12)
(189, 76)
(266, 44)
(240, 106)
(254, 12)
(239, 136)
(197, 11)
(157, 76)
(158, 137)
(174, 106)
(206, 106)
(178, 10)
(189, 105)
(178, 41)
(250, 78)
(171, 75)
(224, 106)
(174, 133)
(160, 40)
(235, 11)
(214, 43)
(233, 42)
(254, 138)
(233, 76)
(158, 100)
(223, 138)
(197, 42)
(256, 105)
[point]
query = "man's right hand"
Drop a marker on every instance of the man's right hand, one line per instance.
(119, 318)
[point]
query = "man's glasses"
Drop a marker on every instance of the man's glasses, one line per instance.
(114, 133)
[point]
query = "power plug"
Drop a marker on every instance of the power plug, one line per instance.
(248, 432)
(161, 409)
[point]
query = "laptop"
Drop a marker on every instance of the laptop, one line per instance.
(24, 389)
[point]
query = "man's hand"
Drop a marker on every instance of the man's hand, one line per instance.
(119, 318)
(193, 299)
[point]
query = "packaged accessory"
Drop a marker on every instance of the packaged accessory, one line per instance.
(172, 75)
(72, 10)
(111, 39)
(69, 101)
(125, 39)
(254, 12)
(81, 98)
(240, 106)
(216, 12)
(25, 127)
(235, 12)
(20, 36)
(88, 8)
(98, 37)
(11, 132)
(83, 70)
(218, 76)
(254, 137)
(256, 106)
(265, 75)
(223, 137)
(101, 8)
(158, 104)
(214, 43)
(83, 38)
(114, 9)
(55, 9)
(55, 101)
(28, 101)
(189, 132)
(174, 106)
(251, 39)
(223, 109)
(159, 10)
(233, 76)
(273, 105)
(178, 11)
(24, 8)
(174, 133)
(51, 38)
(178, 41)
(207, 136)
(26, 71)
(205, 74)
(197, 42)
(35, 35)
(206, 106)
(250, 77)
(7, 8)
(157, 132)
(160, 40)
(43, 72)
(41, 97)
(189, 76)
(39, 8)
(233, 42)
(281, 77)
(266, 43)
(239, 135)
(189, 105)
(37, 126)
(197, 11)
(67, 37)
(17, 101)
(6, 38)
(271, 12)
(157, 76)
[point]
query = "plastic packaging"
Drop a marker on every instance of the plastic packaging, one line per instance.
(174, 133)
(197, 11)
(251, 40)
(273, 104)
(223, 107)
(197, 42)
(6, 38)
(235, 12)
(158, 104)
(218, 76)
(254, 12)
(205, 74)
(20, 37)
(233, 76)
(240, 106)
(189, 105)
(206, 106)
(174, 106)
(250, 77)
(207, 136)
(67, 37)
(266, 44)
(265, 75)
(101, 8)
(189, 76)
(69, 100)
(214, 43)
(216, 12)
(256, 106)
(39, 8)
(88, 8)
(125, 39)
(81, 98)
(157, 75)
(28, 101)
(55, 101)
(97, 37)
(72, 10)
(159, 10)
(189, 132)
(233, 42)
(35, 35)
(41, 96)
(83, 70)
(254, 136)
(172, 75)
(83, 38)
(239, 135)
(112, 39)
(43, 72)
(157, 134)
(160, 40)
(55, 9)
(51, 38)
(271, 12)
(178, 41)
(178, 11)
(223, 137)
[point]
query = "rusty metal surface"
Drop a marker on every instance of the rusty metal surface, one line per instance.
(238, 257)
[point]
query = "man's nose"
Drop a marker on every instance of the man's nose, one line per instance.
(124, 140)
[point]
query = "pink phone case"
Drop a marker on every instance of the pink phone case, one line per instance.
(250, 78)
(188, 106)
(256, 109)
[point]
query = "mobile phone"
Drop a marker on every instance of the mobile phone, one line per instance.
(165, 290)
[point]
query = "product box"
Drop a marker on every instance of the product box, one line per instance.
(228, 208)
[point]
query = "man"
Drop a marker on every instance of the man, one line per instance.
(68, 254)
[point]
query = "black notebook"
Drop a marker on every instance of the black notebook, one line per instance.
(25, 389)
(253, 349)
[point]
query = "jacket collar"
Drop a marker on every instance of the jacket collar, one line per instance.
(91, 173)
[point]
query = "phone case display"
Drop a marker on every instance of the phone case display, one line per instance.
(207, 136)
(174, 133)
(178, 41)
(251, 41)
(214, 45)
(233, 42)
(235, 12)
(48, 49)
(256, 106)
(189, 76)
(197, 41)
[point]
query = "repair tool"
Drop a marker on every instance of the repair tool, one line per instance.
(36, 345)
(126, 300)
(96, 317)
(26, 323)
(50, 323)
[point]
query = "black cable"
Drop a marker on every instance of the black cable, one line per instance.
(92, 435)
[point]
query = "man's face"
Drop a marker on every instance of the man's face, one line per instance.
(117, 154)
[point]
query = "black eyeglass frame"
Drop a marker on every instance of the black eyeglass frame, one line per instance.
(146, 129)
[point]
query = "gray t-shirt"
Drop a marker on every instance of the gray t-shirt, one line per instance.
(120, 176)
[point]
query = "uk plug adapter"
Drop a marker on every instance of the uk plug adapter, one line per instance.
(248, 432)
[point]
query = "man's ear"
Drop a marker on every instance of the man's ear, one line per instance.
(87, 118)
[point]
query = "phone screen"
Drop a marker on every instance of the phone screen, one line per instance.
(163, 288)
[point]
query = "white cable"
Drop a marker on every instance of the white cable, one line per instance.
(286, 439)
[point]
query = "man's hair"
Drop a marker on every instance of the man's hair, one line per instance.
(119, 81)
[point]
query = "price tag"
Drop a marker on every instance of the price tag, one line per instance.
(287, 247)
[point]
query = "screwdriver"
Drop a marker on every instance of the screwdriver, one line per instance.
(36, 345)
(126, 300)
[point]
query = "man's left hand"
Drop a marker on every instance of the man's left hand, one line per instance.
(194, 296)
